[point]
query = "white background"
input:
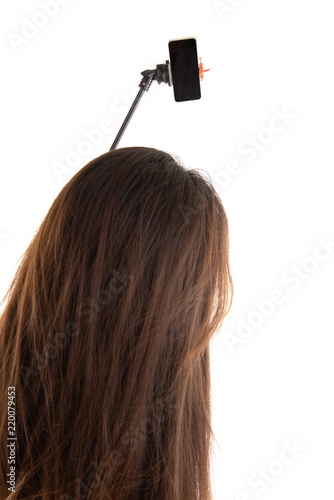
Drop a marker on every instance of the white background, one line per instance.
(272, 378)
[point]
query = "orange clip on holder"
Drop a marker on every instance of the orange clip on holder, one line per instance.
(201, 70)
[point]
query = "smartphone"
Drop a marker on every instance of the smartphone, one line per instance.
(184, 69)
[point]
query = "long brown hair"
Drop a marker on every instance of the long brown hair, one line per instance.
(105, 335)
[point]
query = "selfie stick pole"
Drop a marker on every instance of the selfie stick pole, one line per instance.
(161, 74)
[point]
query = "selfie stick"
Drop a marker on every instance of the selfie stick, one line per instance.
(162, 73)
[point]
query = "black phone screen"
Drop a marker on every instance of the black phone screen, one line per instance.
(185, 69)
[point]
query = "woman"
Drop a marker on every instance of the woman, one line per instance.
(104, 338)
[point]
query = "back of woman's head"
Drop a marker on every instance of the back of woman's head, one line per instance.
(105, 335)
